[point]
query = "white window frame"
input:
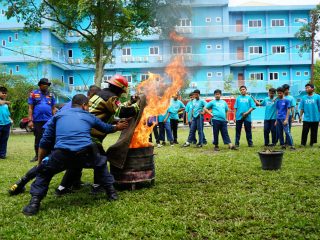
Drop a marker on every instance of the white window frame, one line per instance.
(218, 47)
(254, 76)
(144, 77)
(209, 47)
(298, 73)
(254, 48)
(306, 73)
(16, 36)
(184, 21)
(284, 74)
(154, 48)
(17, 68)
(128, 77)
(272, 76)
(126, 50)
(276, 22)
(70, 51)
(218, 19)
(298, 20)
(106, 78)
(181, 50)
(209, 74)
(219, 74)
(278, 46)
(72, 80)
(208, 19)
(4, 43)
(10, 39)
(255, 20)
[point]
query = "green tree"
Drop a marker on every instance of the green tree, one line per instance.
(102, 24)
(317, 76)
(307, 34)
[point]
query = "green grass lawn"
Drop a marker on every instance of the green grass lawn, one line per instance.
(199, 194)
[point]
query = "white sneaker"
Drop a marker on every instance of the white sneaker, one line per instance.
(159, 145)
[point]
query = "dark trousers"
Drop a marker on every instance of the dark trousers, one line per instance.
(59, 161)
(156, 135)
(4, 136)
(247, 128)
(193, 137)
(164, 128)
(269, 127)
(38, 132)
(286, 129)
(290, 125)
(220, 126)
(313, 127)
(174, 128)
(197, 124)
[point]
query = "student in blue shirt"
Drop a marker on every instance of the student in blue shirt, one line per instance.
(310, 109)
(5, 122)
(243, 107)
(69, 131)
(269, 117)
(219, 120)
(176, 106)
(292, 101)
(188, 112)
(164, 128)
(283, 108)
(197, 120)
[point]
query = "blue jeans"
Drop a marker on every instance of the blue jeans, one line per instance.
(194, 139)
(290, 125)
(197, 124)
(247, 128)
(284, 128)
(4, 136)
(269, 127)
(165, 128)
(220, 126)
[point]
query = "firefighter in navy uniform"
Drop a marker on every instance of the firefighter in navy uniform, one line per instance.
(69, 130)
(106, 106)
(41, 109)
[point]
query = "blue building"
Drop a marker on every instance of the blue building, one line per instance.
(245, 45)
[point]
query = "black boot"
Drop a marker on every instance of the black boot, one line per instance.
(18, 187)
(33, 207)
(111, 193)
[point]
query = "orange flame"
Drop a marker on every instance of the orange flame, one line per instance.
(158, 96)
(177, 38)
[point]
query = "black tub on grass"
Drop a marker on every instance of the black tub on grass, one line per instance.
(271, 160)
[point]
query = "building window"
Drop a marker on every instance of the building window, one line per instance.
(274, 76)
(277, 22)
(11, 71)
(255, 50)
(3, 12)
(209, 74)
(184, 22)
(297, 46)
(128, 77)
(218, 47)
(208, 20)
(301, 20)
(62, 78)
(255, 23)
(208, 47)
(126, 51)
(16, 36)
(106, 78)
(218, 19)
(70, 53)
(144, 77)
(256, 76)
(4, 43)
(17, 68)
(278, 49)
(71, 80)
(181, 50)
(219, 74)
(9, 39)
(154, 50)
(298, 74)
(306, 73)
(284, 74)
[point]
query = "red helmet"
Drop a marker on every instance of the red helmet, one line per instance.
(119, 81)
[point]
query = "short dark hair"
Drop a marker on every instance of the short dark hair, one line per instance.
(243, 86)
(217, 91)
(79, 100)
(3, 89)
(191, 94)
(280, 89)
(285, 87)
(196, 91)
(309, 85)
(273, 90)
(93, 89)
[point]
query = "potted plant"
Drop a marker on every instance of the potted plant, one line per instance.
(271, 159)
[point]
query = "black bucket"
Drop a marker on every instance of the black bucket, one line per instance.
(271, 160)
(139, 167)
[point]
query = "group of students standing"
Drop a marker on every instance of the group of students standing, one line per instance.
(279, 114)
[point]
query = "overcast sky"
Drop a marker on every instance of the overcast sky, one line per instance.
(282, 2)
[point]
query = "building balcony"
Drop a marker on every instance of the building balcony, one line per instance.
(202, 3)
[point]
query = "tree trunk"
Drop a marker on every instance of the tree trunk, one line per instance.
(100, 63)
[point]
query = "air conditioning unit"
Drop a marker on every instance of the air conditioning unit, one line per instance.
(138, 59)
(70, 34)
(131, 59)
(193, 85)
(145, 59)
(70, 60)
(85, 88)
(78, 61)
(71, 88)
(77, 88)
(78, 34)
(160, 58)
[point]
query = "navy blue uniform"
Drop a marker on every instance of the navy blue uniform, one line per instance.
(69, 131)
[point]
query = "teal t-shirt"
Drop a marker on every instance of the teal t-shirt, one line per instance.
(198, 106)
(243, 104)
(161, 117)
(310, 106)
(188, 110)
(4, 115)
(174, 108)
(219, 109)
(292, 102)
(271, 111)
